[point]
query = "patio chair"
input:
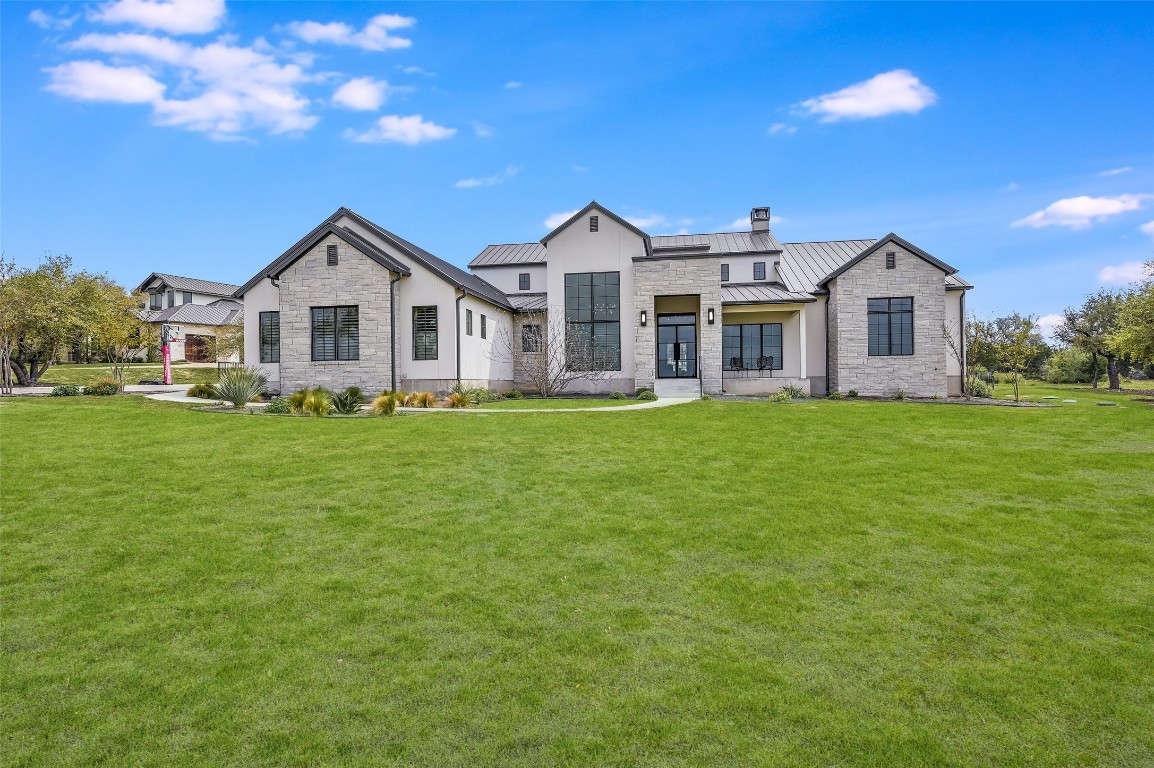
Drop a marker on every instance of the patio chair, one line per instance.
(765, 363)
(736, 364)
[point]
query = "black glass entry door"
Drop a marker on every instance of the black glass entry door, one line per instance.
(677, 346)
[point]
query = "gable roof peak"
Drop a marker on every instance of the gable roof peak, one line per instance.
(593, 204)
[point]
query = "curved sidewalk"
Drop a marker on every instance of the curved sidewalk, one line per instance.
(180, 397)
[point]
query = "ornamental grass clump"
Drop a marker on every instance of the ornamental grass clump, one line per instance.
(349, 401)
(457, 400)
(240, 385)
(385, 404)
(421, 400)
(313, 401)
(202, 390)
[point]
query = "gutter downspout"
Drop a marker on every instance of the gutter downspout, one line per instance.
(393, 332)
(828, 376)
(458, 335)
(962, 333)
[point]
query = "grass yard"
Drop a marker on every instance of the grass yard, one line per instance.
(82, 374)
(537, 403)
(826, 583)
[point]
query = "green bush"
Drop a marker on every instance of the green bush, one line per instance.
(103, 387)
(514, 394)
(616, 395)
(853, 393)
(66, 390)
(482, 395)
(240, 385)
(646, 395)
(794, 391)
(977, 388)
(279, 406)
(835, 395)
(202, 390)
(780, 397)
(1070, 366)
(899, 394)
(349, 401)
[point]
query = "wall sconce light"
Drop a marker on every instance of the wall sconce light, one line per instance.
(644, 318)
(709, 315)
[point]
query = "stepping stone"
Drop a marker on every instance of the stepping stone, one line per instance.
(1069, 401)
(1105, 403)
(1049, 397)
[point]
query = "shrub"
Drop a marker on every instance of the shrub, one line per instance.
(457, 400)
(514, 394)
(470, 394)
(348, 401)
(279, 406)
(66, 390)
(899, 394)
(385, 404)
(482, 395)
(835, 395)
(978, 388)
(240, 385)
(1069, 366)
(646, 395)
(853, 393)
(102, 387)
(795, 392)
(315, 401)
(202, 390)
(421, 400)
(616, 395)
(637, 394)
(780, 397)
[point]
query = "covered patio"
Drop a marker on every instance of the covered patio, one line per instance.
(764, 338)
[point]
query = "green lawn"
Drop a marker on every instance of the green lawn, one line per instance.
(537, 403)
(88, 373)
(819, 583)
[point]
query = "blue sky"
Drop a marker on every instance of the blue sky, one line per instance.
(1015, 142)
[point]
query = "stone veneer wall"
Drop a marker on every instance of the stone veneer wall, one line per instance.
(677, 277)
(356, 281)
(923, 373)
(526, 362)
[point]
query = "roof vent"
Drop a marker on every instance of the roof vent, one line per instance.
(759, 220)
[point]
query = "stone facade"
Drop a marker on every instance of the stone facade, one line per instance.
(356, 280)
(921, 374)
(525, 363)
(677, 277)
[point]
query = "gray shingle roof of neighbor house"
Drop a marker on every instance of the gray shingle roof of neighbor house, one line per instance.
(221, 312)
(190, 284)
(529, 302)
(762, 293)
(470, 284)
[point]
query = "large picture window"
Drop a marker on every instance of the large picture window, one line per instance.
(336, 333)
(270, 337)
(750, 346)
(593, 321)
(424, 333)
(891, 326)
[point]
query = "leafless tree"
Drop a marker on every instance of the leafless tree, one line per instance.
(551, 353)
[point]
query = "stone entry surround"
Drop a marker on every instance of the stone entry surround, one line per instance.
(677, 277)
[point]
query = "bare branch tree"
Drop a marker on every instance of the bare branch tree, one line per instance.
(552, 354)
(952, 335)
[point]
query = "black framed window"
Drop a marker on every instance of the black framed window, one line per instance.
(186, 297)
(336, 333)
(468, 322)
(331, 255)
(270, 337)
(424, 333)
(891, 326)
(170, 296)
(484, 328)
(759, 270)
(156, 301)
(593, 321)
(725, 273)
(891, 260)
(523, 281)
(593, 223)
(530, 338)
(745, 347)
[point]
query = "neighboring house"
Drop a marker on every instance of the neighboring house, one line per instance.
(196, 312)
(352, 303)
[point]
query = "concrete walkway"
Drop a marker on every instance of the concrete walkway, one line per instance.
(180, 397)
(131, 389)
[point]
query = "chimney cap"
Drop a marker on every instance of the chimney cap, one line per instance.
(759, 219)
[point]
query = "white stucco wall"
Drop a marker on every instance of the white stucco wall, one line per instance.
(741, 267)
(507, 278)
(262, 297)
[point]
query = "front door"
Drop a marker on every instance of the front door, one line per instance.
(677, 346)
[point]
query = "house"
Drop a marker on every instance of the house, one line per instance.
(733, 312)
(196, 312)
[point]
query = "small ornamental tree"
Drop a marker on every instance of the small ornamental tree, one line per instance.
(1017, 345)
(117, 326)
(551, 353)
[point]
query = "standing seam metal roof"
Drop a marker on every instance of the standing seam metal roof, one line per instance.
(176, 282)
(510, 254)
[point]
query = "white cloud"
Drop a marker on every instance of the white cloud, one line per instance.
(1116, 171)
(483, 131)
(363, 93)
(513, 84)
(178, 17)
(417, 71)
(409, 130)
(1047, 323)
(1147, 228)
(1128, 272)
(376, 36)
(737, 225)
(1013, 186)
(95, 81)
(488, 181)
(645, 222)
(557, 219)
(1081, 212)
(783, 129)
(44, 21)
(580, 169)
(162, 49)
(884, 94)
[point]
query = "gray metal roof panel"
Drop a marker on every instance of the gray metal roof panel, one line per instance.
(176, 282)
(217, 313)
(722, 242)
(509, 254)
(762, 293)
(529, 302)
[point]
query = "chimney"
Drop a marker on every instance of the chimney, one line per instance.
(759, 220)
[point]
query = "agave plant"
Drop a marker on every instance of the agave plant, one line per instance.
(348, 401)
(240, 385)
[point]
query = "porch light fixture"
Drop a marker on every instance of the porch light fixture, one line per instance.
(644, 318)
(709, 315)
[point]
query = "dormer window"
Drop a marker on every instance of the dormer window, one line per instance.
(186, 297)
(592, 223)
(759, 270)
(331, 255)
(523, 281)
(170, 298)
(155, 301)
